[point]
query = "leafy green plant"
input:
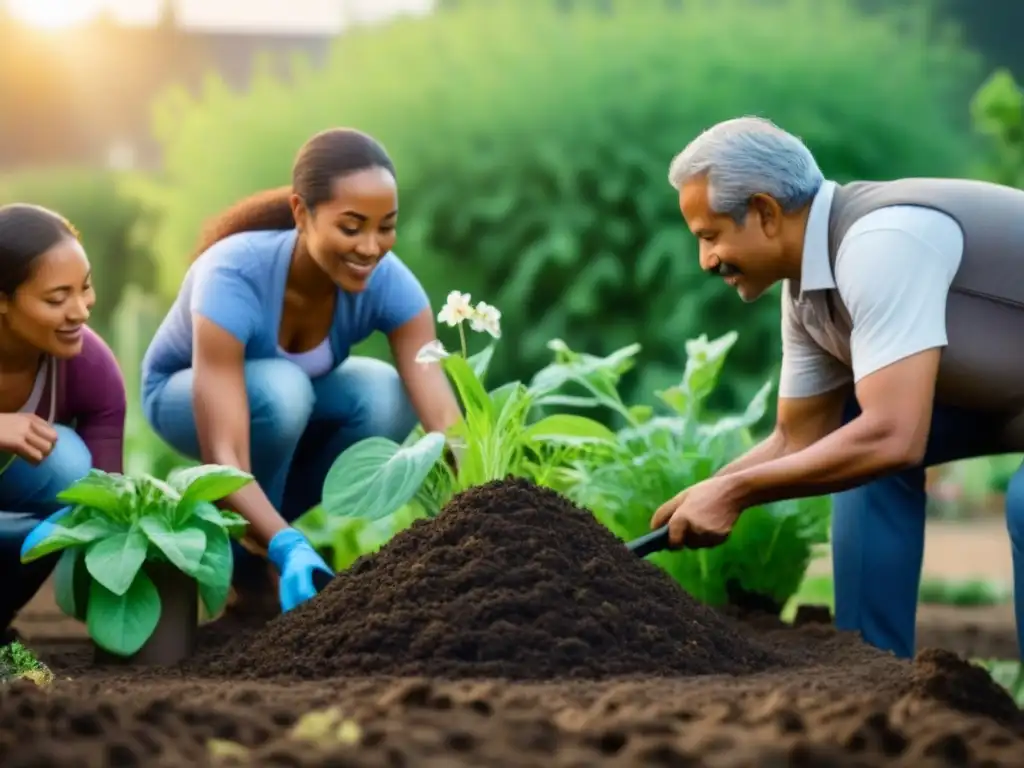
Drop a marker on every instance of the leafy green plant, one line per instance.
(117, 524)
(18, 662)
(495, 438)
(657, 455)
(343, 540)
(997, 114)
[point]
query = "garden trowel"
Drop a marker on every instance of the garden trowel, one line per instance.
(649, 543)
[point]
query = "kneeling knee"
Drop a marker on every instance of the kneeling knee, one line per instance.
(384, 408)
(71, 459)
(280, 399)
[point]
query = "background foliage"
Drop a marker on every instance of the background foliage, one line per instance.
(112, 222)
(540, 179)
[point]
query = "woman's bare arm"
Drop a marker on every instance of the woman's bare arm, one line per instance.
(222, 420)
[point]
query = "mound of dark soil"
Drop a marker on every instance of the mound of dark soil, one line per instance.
(510, 581)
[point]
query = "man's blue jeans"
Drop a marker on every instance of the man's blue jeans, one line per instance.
(32, 490)
(878, 534)
(298, 427)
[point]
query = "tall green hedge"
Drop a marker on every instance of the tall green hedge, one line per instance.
(532, 141)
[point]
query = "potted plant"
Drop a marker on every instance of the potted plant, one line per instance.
(138, 556)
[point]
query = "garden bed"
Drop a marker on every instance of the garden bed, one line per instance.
(535, 592)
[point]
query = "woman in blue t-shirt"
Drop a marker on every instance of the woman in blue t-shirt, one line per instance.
(251, 366)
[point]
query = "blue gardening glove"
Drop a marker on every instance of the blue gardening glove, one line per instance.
(302, 570)
(43, 529)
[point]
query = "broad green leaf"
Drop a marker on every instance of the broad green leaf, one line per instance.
(81, 534)
(209, 482)
(481, 361)
(183, 548)
(472, 393)
(704, 361)
(375, 477)
(565, 401)
(99, 490)
(756, 409)
(597, 374)
(569, 430)
(232, 522)
(215, 567)
(641, 414)
(113, 561)
(675, 398)
(71, 584)
(153, 489)
(122, 623)
(514, 406)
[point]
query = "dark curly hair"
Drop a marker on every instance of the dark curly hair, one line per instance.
(26, 233)
(322, 159)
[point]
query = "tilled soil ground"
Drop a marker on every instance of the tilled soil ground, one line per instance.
(753, 692)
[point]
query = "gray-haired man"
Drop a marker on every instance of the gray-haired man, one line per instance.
(903, 347)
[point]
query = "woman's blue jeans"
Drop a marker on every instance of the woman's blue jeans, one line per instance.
(32, 490)
(878, 534)
(298, 427)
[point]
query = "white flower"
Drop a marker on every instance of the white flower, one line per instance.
(486, 318)
(431, 352)
(456, 309)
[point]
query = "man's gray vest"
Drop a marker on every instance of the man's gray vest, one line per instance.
(983, 365)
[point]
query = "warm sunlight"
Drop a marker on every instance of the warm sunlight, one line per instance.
(54, 14)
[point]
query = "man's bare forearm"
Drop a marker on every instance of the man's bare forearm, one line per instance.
(771, 448)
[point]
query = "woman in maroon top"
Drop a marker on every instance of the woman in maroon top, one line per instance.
(62, 395)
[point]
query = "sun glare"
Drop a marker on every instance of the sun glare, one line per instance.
(54, 14)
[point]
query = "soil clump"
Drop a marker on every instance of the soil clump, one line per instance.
(510, 581)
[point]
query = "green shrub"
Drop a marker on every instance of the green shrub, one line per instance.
(680, 444)
(112, 222)
(997, 112)
(533, 143)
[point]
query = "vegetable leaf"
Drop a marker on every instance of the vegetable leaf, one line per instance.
(115, 560)
(99, 490)
(376, 476)
(71, 584)
(215, 568)
(568, 429)
(183, 548)
(208, 482)
(122, 623)
(230, 521)
(81, 534)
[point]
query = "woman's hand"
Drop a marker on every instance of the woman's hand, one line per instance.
(27, 435)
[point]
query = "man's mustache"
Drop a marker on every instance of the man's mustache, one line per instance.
(723, 270)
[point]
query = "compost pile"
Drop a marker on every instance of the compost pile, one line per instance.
(510, 581)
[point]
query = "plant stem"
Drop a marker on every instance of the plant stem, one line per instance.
(462, 338)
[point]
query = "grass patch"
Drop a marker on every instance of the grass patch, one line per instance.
(18, 662)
